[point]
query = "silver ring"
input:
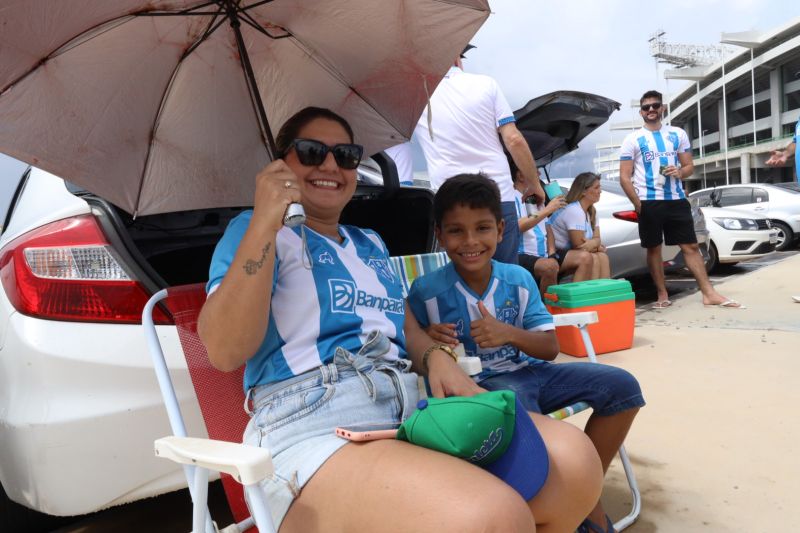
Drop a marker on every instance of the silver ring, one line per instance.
(288, 184)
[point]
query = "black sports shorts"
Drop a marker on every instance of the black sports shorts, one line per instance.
(670, 219)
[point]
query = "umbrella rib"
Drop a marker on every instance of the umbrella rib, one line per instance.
(254, 24)
(182, 13)
(212, 27)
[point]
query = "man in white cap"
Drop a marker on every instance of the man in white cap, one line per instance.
(464, 129)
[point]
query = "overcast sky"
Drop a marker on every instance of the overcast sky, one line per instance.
(599, 46)
(533, 48)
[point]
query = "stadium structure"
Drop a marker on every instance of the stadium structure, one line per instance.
(743, 103)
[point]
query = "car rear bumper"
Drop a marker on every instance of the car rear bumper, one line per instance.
(79, 411)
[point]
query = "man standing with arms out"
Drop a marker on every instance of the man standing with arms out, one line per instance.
(458, 132)
(780, 157)
(658, 158)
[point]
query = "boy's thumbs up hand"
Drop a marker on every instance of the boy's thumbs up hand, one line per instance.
(488, 332)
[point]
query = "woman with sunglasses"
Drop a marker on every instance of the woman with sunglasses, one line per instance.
(575, 227)
(316, 316)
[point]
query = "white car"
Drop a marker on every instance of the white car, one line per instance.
(780, 203)
(79, 402)
(736, 235)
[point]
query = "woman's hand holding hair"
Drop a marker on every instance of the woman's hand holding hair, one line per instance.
(276, 188)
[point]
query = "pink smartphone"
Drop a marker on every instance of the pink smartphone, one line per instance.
(365, 432)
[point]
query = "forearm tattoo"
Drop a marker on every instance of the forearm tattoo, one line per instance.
(251, 267)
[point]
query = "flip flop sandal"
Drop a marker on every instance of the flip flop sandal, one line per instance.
(728, 304)
(662, 304)
(587, 526)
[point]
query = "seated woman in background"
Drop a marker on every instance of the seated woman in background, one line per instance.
(575, 227)
(282, 302)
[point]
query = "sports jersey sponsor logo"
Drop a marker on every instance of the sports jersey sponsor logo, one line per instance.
(503, 352)
(651, 156)
(489, 444)
(460, 327)
(345, 297)
(325, 257)
(381, 267)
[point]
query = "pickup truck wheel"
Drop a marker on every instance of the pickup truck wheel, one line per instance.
(16, 518)
(785, 235)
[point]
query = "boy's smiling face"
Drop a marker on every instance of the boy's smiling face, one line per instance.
(470, 237)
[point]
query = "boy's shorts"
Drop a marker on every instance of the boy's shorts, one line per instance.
(546, 387)
(670, 218)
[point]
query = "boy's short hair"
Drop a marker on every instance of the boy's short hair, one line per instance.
(475, 191)
(651, 94)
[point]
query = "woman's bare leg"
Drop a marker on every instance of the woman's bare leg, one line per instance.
(575, 470)
(578, 262)
(605, 265)
(392, 486)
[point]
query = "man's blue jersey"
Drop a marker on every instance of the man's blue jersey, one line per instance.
(533, 241)
(332, 295)
(511, 297)
(649, 151)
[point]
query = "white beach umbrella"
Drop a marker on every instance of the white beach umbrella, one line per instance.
(168, 105)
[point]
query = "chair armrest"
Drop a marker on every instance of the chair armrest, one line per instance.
(575, 319)
(247, 464)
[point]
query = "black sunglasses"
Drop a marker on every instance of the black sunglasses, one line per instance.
(312, 153)
(647, 107)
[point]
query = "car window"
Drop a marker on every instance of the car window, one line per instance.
(760, 195)
(736, 196)
(702, 199)
(791, 186)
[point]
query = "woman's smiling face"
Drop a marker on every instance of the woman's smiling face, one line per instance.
(325, 188)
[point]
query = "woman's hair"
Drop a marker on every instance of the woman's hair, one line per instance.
(299, 120)
(583, 181)
(475, 191)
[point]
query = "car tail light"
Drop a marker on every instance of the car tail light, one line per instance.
(630, 216)
(66, 270)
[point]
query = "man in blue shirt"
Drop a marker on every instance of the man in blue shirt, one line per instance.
(495, 311)
(780, 157)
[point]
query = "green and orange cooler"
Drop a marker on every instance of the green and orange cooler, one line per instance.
(612, 299)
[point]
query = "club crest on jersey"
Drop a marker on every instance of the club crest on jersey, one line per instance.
(325, 257)
(345, 297)
(508, 313)
(381, 267)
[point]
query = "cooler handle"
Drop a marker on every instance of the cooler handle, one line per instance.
(550, 296)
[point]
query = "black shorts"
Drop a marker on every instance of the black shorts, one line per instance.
(671, 219)
(529, 261)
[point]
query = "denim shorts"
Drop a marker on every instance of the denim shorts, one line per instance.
(547, 387)
(296, 418)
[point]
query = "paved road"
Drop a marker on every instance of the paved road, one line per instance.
(682, 285)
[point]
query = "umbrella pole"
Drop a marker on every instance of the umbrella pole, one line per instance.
(250, 78)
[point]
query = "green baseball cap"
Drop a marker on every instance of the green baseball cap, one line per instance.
(492, 430)
(476, 428)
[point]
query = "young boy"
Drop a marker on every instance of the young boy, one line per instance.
(495, 311)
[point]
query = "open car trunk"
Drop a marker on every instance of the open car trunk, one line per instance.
(175, 248)
(554, 123)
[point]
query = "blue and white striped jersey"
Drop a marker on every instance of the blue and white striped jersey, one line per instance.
(512, 297)
(533, 241)
(349, 290)
(571, 217)
(650, 150)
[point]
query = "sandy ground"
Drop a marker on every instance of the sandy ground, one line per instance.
(715, 449)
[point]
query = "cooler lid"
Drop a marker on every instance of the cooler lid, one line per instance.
(590, 292)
